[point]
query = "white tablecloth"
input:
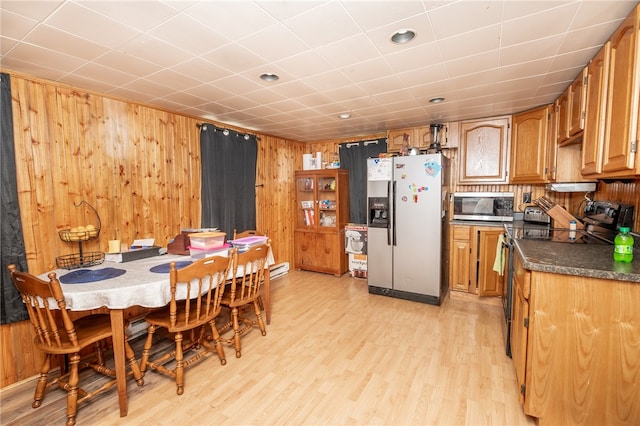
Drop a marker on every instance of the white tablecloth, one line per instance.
(137, 287)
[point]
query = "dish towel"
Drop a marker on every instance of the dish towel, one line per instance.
(498, 263)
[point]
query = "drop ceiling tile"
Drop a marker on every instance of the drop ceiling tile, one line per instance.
(135, 14)
(30, 68)
(149, 88)
(155, 51)
(462, 17)
(312, 27)
(56, 40)
(85, 23)
(6, 44)
(364, 71)
(201, 70)
(126, 61)
(95, 71)
(238, 85)
(533, 68)
(33, 9)
(529, 27)
(470, 43)
(305, 64)
(430, 74)
(173, 81)
(187, 33)
(473, 64)
(282, 10)
(53, 60)
(349, 50)
(594, 12)
(274, 43)
(584, 38)
(569, 60)
(15, 26)
(530, 51)
(234, 57)
(415, 57)
(234, 19)
(370, 15)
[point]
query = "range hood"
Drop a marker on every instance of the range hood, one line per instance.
(571, 187)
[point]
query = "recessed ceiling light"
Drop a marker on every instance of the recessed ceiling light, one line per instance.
(403, 36)
(269, 76)
(436, 100)
(345, 115)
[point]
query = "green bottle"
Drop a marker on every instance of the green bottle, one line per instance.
(623, 246)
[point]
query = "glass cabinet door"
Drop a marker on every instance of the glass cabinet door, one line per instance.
(306, 196)
(327, 202)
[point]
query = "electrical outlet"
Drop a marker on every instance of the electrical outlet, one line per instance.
(526, 197)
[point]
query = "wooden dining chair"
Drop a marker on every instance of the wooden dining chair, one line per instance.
(266, 305)
(196, 292)
(248, 276)
(57, 334)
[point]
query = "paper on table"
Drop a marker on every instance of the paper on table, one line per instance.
(145, 242)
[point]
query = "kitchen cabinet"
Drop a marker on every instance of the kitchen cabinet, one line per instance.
(484, 150)
(472, 255)
(416, 137)
(613, 97)
(459, 258)
(620, 155)
(529, 146)
(574, 347)
(322, 211)
(570, 111)
(596, 99)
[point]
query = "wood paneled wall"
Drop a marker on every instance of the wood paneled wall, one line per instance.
(139, 167)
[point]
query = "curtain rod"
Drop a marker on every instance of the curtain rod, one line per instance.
(203, 126)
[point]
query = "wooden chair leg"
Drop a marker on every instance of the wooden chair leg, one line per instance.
(133, 364)
(146, 351)
(179, 365)
(236, 331)
(72, 390)
(258, 311)
(218, 342)
(41, 386)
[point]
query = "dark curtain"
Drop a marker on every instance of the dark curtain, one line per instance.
(228, 179)
(11, 242)
(353, 157)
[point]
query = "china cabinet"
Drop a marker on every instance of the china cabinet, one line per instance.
(321, 213)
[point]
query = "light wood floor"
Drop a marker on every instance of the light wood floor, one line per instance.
(333, 355)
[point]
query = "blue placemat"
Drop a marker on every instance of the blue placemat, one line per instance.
(80, 276)
(164, 268)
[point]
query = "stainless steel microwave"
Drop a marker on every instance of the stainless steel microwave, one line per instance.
(483, 206)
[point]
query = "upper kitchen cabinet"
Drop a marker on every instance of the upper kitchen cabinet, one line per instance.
(416, 137)
(620, 154)
(610, 147)
(484, 150)
(529, 146)
(594, 127)
(570, 111)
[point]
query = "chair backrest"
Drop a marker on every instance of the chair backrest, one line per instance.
(247, 233)
(248, 272)
(46, 307)
(196, 290)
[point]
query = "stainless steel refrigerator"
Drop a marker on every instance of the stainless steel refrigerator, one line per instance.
(406, 209)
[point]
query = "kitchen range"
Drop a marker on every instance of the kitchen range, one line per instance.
(601, 219)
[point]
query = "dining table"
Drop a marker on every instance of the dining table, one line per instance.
(119, 286)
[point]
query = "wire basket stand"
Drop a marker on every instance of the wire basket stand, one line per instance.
(80, 259)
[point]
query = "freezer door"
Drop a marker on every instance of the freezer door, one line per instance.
(418, 224)
(379, 248)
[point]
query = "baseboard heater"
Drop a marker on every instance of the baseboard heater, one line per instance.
(278, 270)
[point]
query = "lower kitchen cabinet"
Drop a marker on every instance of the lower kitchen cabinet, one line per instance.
(574, 343)
(472, 255)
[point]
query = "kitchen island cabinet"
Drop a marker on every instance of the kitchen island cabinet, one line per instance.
(575, 334)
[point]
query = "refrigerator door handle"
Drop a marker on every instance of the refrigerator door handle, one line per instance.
(393, 216)
(389, 224)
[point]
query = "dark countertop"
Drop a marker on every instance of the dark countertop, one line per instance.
(585, 260)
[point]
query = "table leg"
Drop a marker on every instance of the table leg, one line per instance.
(117, 328)
(267, 296)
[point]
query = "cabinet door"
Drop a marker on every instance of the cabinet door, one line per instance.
(328, 202)
(562, 116)
(596, 98)
(490, 282)
(552, 146)
(519, 336)
(622, 98)
(529, 146)
(306, 201)
(577, 104)
(460, 258)
(397, 138)
(484, 150)
(320, 252)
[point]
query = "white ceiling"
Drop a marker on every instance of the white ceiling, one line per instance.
(204, 58)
